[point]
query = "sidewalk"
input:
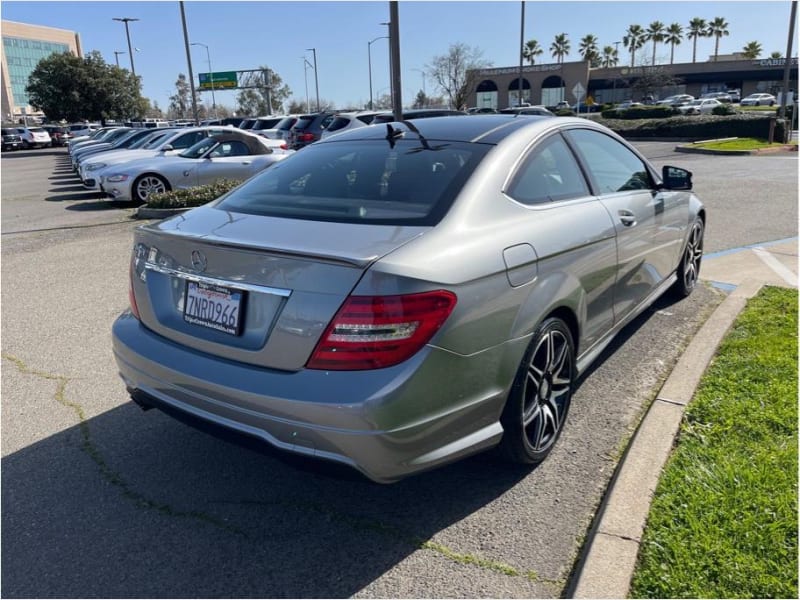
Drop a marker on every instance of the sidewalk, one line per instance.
(609, 559)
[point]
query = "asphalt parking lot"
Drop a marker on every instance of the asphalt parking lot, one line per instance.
(102, 499)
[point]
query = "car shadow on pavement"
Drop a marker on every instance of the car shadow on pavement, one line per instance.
(29, 153)
(102, 204)
(72, 197)
(133, 504)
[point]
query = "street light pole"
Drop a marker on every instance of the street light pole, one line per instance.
(306, 66)
(211, 75)
(424, 92)
(189, 63)
(614, 82)
(369, 62)
(127, 20)
(316, 77)
(116, 56)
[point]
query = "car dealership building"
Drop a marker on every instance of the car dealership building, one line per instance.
(548, 84)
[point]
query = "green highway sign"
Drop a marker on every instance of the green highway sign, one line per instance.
(221, 80)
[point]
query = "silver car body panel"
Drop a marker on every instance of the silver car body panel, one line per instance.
(595, 261)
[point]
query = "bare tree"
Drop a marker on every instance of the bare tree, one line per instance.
(456, 73)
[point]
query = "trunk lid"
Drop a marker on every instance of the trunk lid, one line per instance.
(283, 279)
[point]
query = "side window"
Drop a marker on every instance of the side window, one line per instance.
(188, 140)
(549, 173)
(613, 167)
(232, 148)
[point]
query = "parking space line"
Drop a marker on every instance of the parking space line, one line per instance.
(773, 263)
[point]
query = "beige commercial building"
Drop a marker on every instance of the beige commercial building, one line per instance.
(549, 84)
(23, 47)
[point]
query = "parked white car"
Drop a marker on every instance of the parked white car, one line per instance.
(235, 155)
(758, 100)
(34, 137)
(172, 142)
(280, 131)
(345, 121)
(700, 107)
(676, 100)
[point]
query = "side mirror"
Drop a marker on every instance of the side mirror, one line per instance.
(676, 178)
(167, 148)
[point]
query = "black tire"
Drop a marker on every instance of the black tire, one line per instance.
(689, 267)
(538, 403)
(148, 184)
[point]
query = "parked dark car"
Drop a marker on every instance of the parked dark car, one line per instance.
(59, 135)
(418, 113)
(12, 140)
(308, 129)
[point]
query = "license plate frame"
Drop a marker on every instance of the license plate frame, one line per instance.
(215, 307)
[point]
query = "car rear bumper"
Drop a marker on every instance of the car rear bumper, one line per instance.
(386, 423)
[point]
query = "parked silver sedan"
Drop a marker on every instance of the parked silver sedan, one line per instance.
(233, 155)
(400, 296)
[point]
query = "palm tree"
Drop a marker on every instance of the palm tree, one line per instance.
(673, 37)
(697, 28)
(634, 39)
(610, 57)
(776, 55)
(560, 47)
(655, 33)
(717, 28)
(752, 50)
(531, 50)
(588, 48)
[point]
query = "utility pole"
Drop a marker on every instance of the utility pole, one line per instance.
(394, 52)
(189, 62)
(316, 78)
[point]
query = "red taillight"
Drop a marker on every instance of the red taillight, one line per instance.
(306, 137)
(284, 146)
(372, 332)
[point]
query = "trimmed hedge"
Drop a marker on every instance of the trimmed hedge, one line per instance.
(699, 127)
(640, 112)
(191, 197)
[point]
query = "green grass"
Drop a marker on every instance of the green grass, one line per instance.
(737, 144)
(723, 523)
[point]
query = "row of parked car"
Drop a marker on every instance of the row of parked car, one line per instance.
(42, 136)
(131, 163)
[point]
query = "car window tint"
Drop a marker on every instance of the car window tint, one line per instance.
(361, 182)
(188, 139)
(232, 148)
(612, 166)
(549, 173)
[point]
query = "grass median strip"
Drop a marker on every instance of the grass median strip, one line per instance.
(723, 522)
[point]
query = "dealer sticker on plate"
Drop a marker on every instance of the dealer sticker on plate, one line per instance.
(213, 306)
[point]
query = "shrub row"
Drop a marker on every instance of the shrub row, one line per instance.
(700, 127)
(196, 196)
(640, 112)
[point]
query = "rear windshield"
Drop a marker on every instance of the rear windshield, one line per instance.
(10, 132)
(338, 123)
(286, 123)
(303, 122)
(266, 123)
(361, 182)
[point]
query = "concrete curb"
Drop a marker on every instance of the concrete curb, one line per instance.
(690, 150)
(609, 558)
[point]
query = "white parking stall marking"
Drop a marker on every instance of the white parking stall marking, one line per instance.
(773, 263)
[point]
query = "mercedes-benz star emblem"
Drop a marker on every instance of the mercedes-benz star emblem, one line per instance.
(199, 261)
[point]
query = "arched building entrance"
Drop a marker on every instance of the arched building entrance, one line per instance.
(552, 90)
(513, 92)
(487, 94)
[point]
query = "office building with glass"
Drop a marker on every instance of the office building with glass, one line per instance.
(22, 48)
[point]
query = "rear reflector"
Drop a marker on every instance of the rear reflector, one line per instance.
(131, 296)
(373, 332)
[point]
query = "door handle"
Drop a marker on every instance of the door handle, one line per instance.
(246, 162)
(627, 218)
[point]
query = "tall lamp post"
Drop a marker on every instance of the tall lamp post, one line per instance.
(127, 20)
(369, 62)
(116, 56)
(614, 82)
(211, 75)
(316, 77)
(306, 66)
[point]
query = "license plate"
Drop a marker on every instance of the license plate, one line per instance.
(213, 306)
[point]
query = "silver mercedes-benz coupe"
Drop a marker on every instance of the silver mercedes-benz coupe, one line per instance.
(403, 295)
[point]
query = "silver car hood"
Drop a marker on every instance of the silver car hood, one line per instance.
(355, 244)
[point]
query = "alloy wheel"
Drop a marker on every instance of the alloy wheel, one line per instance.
(547, 391)
(148, 185)
(693, 256)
